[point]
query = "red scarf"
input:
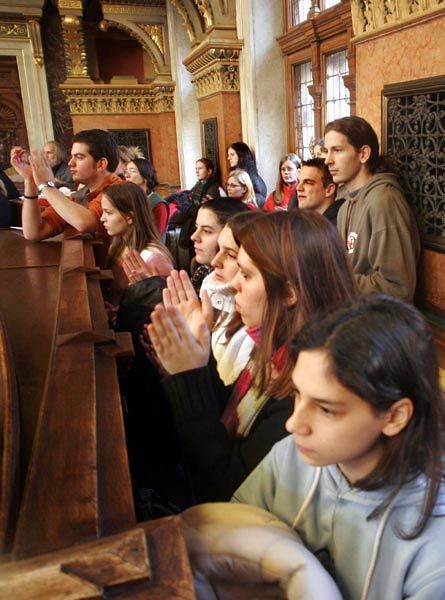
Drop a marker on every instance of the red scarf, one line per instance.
(244, 384)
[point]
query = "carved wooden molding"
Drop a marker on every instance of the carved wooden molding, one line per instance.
(82, 573)
(325, 25)
(372, 18)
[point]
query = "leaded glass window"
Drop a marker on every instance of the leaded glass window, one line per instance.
(337, 95)
(304, 109)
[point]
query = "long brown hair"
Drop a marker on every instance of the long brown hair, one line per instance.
(382, 350)
(297, 252)
(129, 199)
(279, 193)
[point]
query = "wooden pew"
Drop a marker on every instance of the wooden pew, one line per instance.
(9, 443)
(149, 562)
(76, 528)
(78, 484)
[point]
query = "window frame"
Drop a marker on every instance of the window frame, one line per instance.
(328, 32)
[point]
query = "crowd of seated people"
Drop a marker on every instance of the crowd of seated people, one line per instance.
(234, 350)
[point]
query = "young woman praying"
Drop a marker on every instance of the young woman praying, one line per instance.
(291, 265)
(128, 220)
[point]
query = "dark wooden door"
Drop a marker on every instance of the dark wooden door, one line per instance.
(12, 118)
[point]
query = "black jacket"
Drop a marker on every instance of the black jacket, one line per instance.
(217, 463)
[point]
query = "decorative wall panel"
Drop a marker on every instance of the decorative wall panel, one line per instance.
(413, 137)
(133, 137)
(210, 138)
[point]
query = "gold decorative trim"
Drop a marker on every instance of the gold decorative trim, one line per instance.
(76, 4)
(107, 99)
(210, 56)
(34, 34)
(75, 53)
(214, 69)
(205, 10)
(156, 34)
(13, 30)
(221, 77)
(370, 17)
(187, 22)
(133, 11)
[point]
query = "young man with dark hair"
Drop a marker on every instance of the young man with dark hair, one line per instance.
(376, 223)
(94, 158)
(316, 189)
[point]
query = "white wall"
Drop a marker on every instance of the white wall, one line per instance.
(186, 105)
(34, 88)
(263, 85)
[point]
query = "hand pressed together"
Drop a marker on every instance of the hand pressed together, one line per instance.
(181, 294)
(134, 267)
(177, 348)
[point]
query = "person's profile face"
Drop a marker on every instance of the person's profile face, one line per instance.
(232, 158)
(225, 261)
(235, 189)
(331, 424)
(205, 236)
(132, 173)
(202, 172)
(342, 159)
(84, 168)
(251, 295)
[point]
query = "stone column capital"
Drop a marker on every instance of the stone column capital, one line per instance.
(214, 66)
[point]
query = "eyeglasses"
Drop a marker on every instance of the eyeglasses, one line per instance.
(234, 185)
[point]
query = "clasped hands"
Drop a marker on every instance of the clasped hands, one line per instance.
(180, 327)
(33, 166)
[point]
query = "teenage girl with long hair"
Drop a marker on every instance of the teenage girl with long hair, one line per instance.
(128, 219)
(361, 478)
(286, 185)
(291, 265)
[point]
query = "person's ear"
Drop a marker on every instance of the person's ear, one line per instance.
(291, 296)
(330, 190)
(364, 154)
(130, 218)
(102, 164)
(398, 417)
